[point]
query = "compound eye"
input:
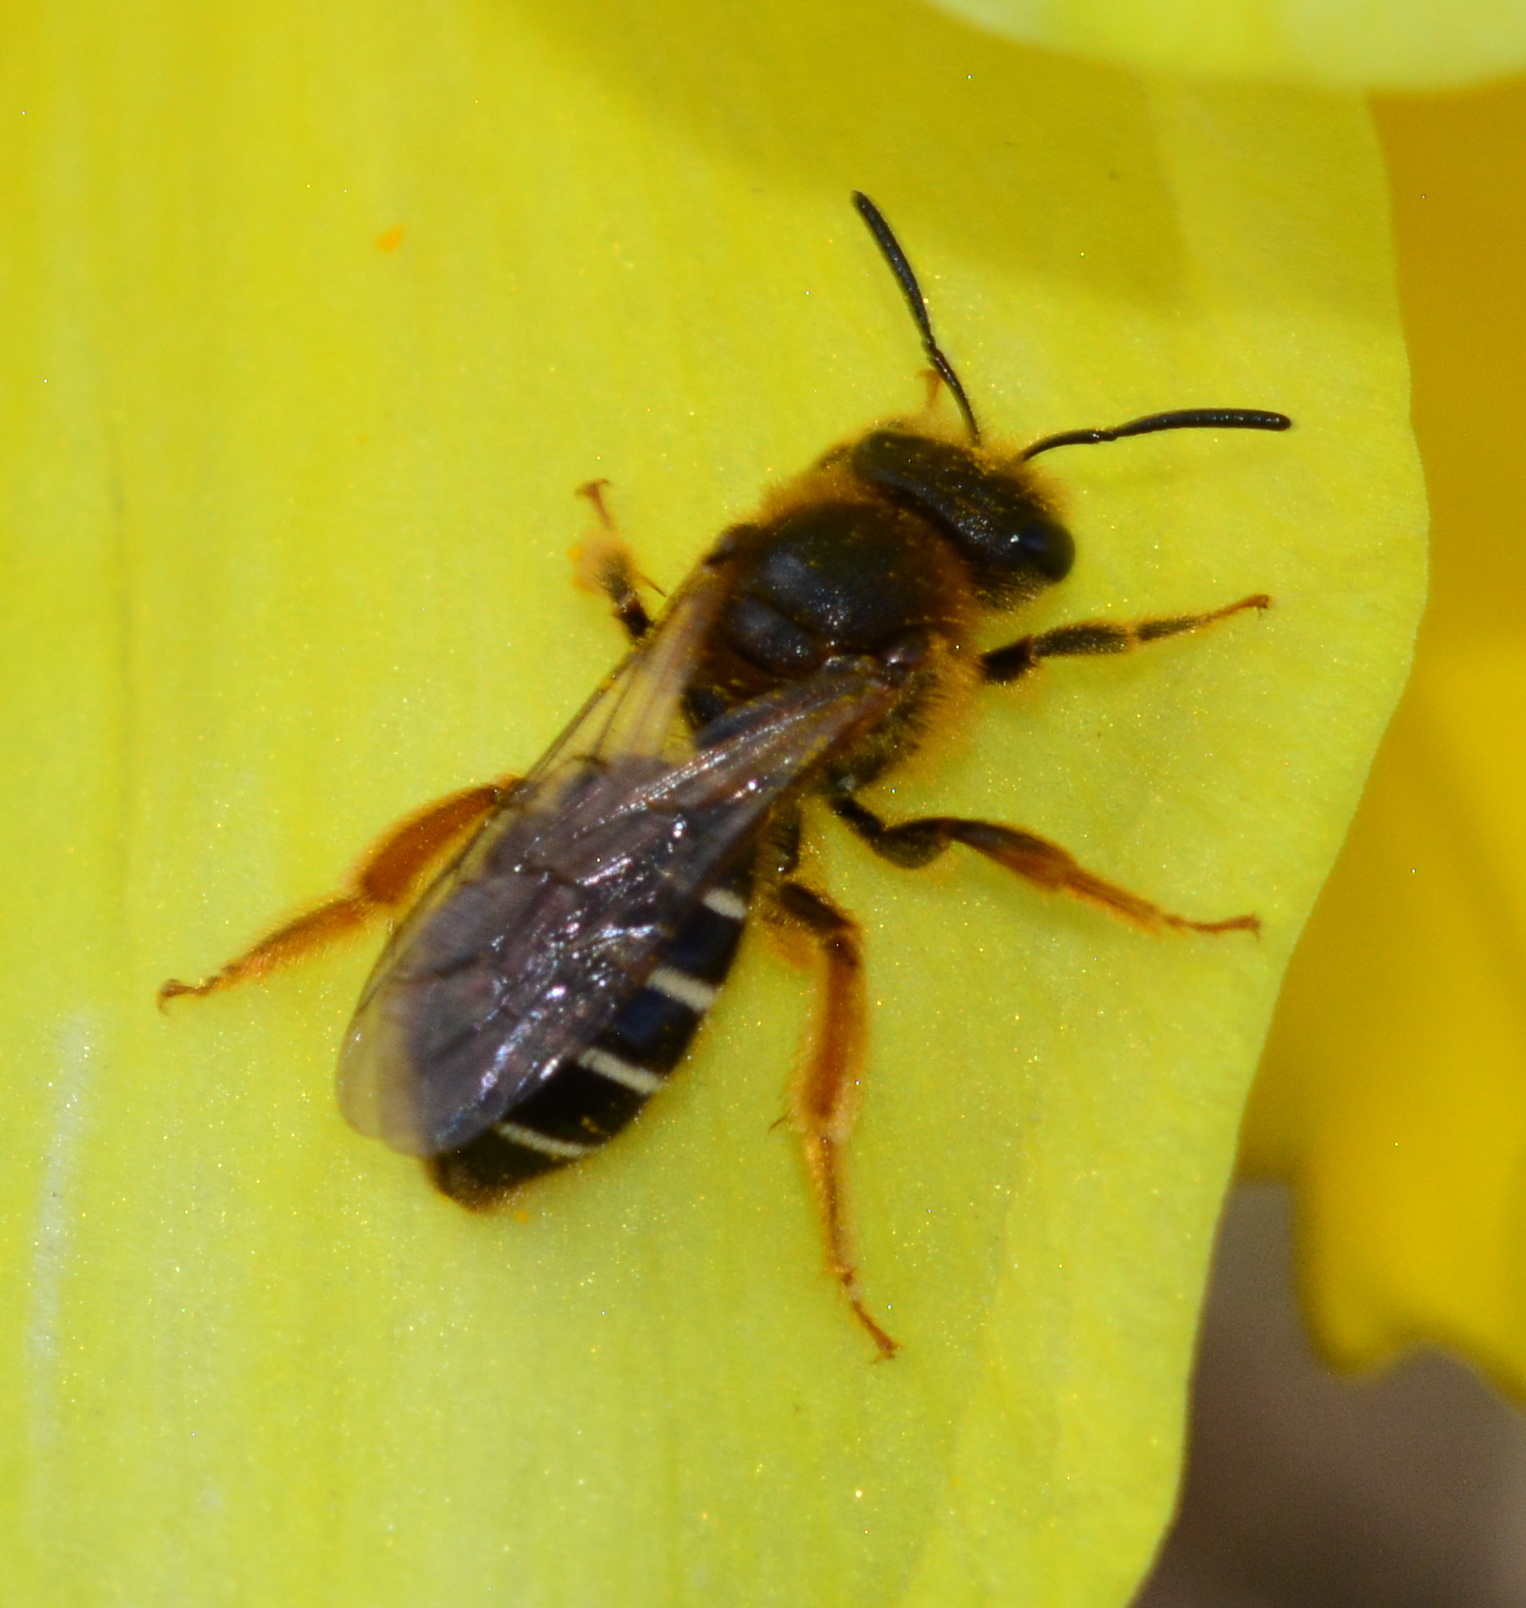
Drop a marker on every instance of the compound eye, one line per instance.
(1047, 546)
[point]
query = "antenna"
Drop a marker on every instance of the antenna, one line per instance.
(1181, 419)
(890, 249)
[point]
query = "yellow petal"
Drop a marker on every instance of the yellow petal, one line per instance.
(1348, 44)
(316, 317)
(1392, 1092)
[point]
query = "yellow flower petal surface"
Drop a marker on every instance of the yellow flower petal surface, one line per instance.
(316, 316)
(1419, 44)
(1393, 1093)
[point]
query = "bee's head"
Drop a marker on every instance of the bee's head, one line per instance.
(991, 513)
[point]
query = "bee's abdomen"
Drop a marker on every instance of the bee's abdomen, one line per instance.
(596, 1089)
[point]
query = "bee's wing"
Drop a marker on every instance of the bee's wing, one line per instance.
(556, 914)
(632, 714)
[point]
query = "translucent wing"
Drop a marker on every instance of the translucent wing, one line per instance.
(557, 912)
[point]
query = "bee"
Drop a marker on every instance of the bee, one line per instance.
(550, 978)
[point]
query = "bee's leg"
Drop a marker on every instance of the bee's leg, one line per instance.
(1047, 865)
(383, 880)
(824, 1098)
(603, 563)
(1101, 636)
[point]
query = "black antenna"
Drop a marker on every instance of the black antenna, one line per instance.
(1181, 419)
(890, 248)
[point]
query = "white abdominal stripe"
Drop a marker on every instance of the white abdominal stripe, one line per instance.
(625, 1073)
(725, 903)
(680, 986)
(542, 1143)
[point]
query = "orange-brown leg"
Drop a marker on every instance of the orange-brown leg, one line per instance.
(1046, 864)
(382, 881)
(1102, 636)
(824, 1099)
(603, 563)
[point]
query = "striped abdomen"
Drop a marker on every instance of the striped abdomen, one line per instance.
(598, 1088)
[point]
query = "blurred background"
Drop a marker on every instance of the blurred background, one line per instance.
(1406, 1490)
